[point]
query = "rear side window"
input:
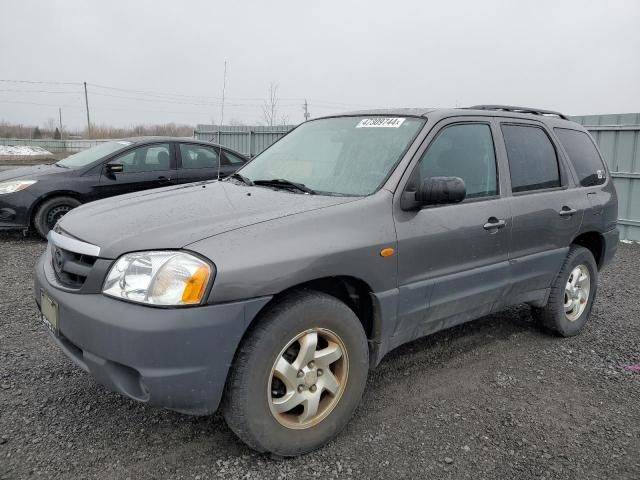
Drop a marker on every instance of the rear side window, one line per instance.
(229, 158)
(532, 158)
(583, 155)
(464, 151)
(198, 156)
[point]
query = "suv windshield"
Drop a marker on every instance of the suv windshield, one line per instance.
(344, 155)
(86, 157)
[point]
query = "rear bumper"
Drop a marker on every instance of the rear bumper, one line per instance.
(611, 239)
(174, 358)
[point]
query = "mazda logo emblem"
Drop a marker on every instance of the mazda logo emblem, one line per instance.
(58, 260)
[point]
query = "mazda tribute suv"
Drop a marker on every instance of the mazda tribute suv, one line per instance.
(272, 293)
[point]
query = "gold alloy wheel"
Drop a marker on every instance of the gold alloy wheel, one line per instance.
(576, 292)
(308, 378)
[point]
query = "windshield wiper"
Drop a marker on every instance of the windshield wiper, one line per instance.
(60, 166)
(284, 183)
(242, 178)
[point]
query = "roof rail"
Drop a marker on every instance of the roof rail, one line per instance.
(511, 108)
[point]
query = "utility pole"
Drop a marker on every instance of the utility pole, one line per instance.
(305, 107)
(86, 102)
(60, 119)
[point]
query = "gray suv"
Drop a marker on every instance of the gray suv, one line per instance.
(272, 293)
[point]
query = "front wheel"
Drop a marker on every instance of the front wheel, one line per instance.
(298, 376)
(572, 294)
(52, 210)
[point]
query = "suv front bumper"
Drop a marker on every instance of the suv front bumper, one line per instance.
(176, 358)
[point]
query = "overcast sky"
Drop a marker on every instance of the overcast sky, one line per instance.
(163, 61)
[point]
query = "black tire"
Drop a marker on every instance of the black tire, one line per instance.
(553, 317)
(50, 211)
(246, 404)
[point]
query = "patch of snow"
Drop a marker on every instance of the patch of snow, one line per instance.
(628, 241)
(23, 150)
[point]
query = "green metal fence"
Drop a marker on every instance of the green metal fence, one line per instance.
(244, 139)
(53, 146)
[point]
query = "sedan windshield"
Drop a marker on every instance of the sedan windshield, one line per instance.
(343, 155)
(86, 157)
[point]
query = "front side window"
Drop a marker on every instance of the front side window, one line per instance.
(583, 155)
(532, 158)
(342, 155)
(464, 151)
(146, 159)
(198, 156)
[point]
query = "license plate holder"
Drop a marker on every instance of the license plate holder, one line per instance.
(49, 310)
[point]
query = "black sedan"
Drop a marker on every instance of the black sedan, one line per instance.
(38, 196)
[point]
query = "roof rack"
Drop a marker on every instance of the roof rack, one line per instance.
(511, 108)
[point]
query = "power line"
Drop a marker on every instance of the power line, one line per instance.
(165, 94)
(71, 92)
(177, 102)
(40, 82)
(30, 103)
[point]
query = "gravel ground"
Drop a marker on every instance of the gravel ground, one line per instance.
(496, 398)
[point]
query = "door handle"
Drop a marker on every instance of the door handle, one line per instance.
(567, 211)
(494, 224)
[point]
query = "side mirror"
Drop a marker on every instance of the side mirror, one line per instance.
(113, 168)
(441, 190)
(434, 191)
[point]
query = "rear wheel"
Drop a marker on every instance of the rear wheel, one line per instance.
(50, 211)
(572, 294)
(298, 376)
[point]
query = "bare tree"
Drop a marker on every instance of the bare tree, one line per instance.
(270, 106)
(234, 122)
(49, 126)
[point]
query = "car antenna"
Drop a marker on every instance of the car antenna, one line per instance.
(224, 85)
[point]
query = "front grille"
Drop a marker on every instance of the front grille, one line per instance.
(71, 268)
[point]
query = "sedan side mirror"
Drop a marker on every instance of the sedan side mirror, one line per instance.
(434, 191)
(113, 168)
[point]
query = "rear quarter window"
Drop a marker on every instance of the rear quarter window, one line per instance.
(583, 156)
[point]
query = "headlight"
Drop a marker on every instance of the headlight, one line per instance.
(159, 278)
(15, 186)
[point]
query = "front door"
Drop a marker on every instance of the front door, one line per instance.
(453, 259)
(144, 167)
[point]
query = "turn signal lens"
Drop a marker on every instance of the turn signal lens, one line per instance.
(195, 286)
(387, 252)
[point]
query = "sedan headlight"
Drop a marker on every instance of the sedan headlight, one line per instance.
(15, 186)
(159, 278)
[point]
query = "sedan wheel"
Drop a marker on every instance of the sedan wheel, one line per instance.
(50, 211)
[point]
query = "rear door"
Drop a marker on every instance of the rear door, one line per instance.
(591, 175)
(546, 212)
(144, 167)
(453, 259)
(200, 162)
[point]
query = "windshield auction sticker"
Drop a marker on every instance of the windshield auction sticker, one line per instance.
(380, 122)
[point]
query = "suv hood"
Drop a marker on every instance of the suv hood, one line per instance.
(174, 217)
